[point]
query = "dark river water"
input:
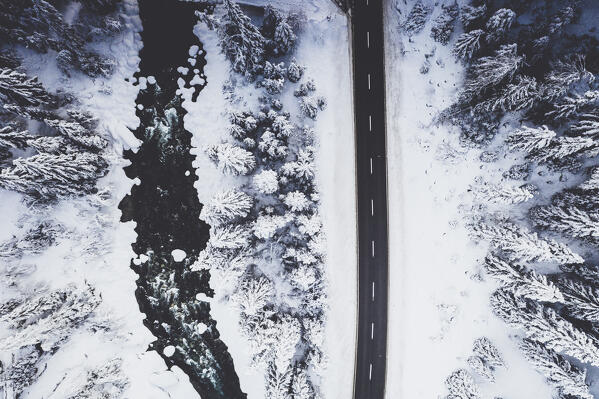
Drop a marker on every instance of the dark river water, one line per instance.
(166, 209)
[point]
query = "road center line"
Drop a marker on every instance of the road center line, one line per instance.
(370, 123)
(373, 290)
(370, 165)
(372, 330)
(373, 248)
(370, 373)
(368, 81)
(368, 39)
(371, 207)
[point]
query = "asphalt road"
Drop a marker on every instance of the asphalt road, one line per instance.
(369, 103)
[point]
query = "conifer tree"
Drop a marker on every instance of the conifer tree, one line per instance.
(569, 221)
(488, 72)
(232, 160)
(521, 282)
(568, 379)
(543, 325)
(19, 88)
(522, 245)
(50, 176)
(225, 207)
(468, 44)
(582, 300)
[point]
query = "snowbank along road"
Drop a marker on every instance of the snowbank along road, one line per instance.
(369, 102)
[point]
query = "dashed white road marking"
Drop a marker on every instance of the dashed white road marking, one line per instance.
(368, 81)
(370, 123)
(371, 207)
(373, 290)
(372, 248)
(370, 373)
(368, 39)
(370, 165)
(372, 330)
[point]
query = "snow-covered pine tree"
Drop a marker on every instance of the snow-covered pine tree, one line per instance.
(530, 138)
(484, 348)
(481, 368)
(21, 372)
(272, 146)
(488, 72)
(283, 39)
(587, 125)
(49, 328)
(525, 283)
(499, 23)
(593, 181)
(566, 148)
(582, 300)
(472, 16)
(569, 221)
(55, 145)
(278, 382)
(79, 134)
(309, 106)
(226, 207)
(588, 273)
(231, 159)
(523, 245)
(444, 24)
(266, 181)
(301, 387)
(34, 241)
(417, 18)
(241, 41)
(302, 169)
(254, 294)
(267, 226)
(574, 105)
(521, 94)
(11, 138)
(296, 201)
(468, 44)
(568, 379)
(294, 72)
(230, 237)
(542, 324)
(502, 194)
(461, 385)
(288, 332)
(50, 176)
(104, 381)
(19, 88)
(563, 74)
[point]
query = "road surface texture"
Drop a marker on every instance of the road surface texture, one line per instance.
(369, 103)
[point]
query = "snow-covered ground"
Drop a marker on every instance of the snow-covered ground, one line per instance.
(323, 48)
(97, 250)
(437, 305)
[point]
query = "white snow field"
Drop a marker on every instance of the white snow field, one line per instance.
(437, 305)
(323, 48)
(91, 232)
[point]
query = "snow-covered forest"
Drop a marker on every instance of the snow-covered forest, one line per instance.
(103, 135)
(259, 173)
(507, 138)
